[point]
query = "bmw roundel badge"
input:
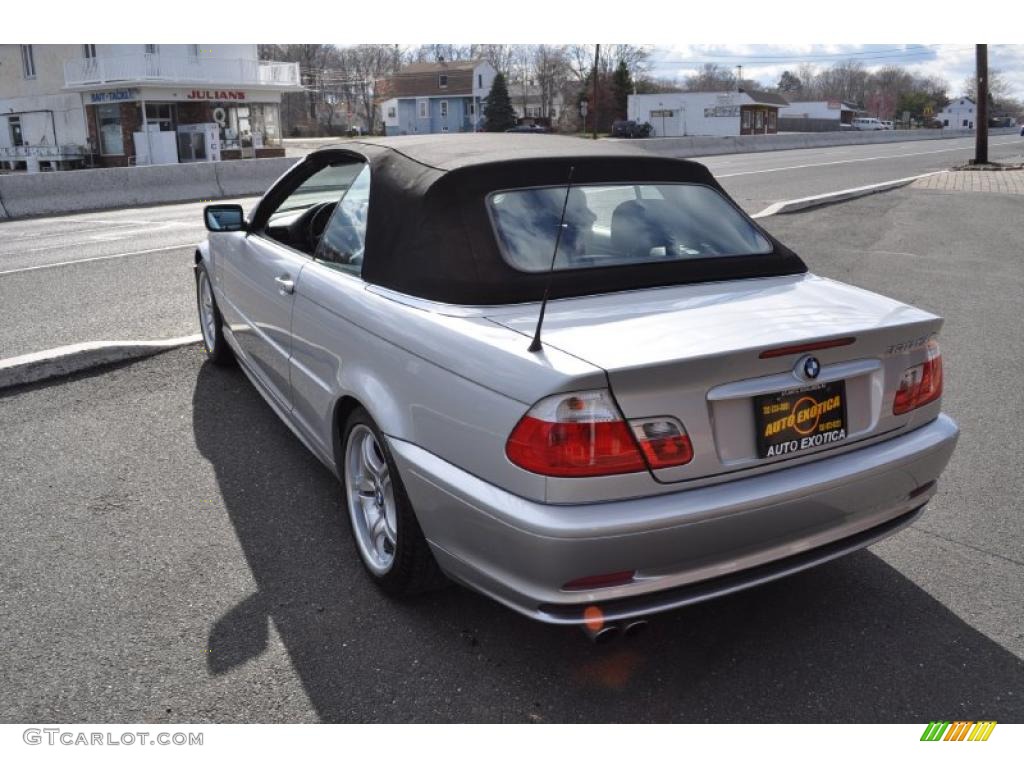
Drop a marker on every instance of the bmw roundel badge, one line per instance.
(811, 367)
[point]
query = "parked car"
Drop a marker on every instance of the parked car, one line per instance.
(696, 414)
(867, 124)
(630, 129)
(888, 125)
(527, 128)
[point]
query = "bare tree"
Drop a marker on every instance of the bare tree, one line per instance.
(712, 77)
(499, 56)
(436, 51)
(551, 73)
(369, 64)
(998, 88)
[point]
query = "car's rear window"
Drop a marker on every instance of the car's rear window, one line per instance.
(619, 224)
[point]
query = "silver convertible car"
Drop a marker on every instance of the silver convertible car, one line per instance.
(572, 375)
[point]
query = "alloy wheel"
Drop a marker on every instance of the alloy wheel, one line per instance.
(371, 499)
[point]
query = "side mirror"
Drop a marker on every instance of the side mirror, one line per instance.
(224, 218)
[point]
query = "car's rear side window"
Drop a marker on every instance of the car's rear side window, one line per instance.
(619, 224)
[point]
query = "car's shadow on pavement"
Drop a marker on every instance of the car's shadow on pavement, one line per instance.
(854, 640)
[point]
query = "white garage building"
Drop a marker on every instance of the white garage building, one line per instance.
(726, 113)
(959, 113)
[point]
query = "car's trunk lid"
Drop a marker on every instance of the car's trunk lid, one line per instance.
(695, 352)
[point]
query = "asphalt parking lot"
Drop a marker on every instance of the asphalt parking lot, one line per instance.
(169, 552)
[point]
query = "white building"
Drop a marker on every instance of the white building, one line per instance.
(728, 113)
(530, 106)
(66, 104)
(959, 113)
(817, 115)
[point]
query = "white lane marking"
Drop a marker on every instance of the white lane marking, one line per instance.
(73, 231)
(786, 206)
(108, 238)
(853, 160)
(124, 234)
(97, 258)
(111, 235)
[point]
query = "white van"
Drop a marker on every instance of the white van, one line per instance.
(867, 124)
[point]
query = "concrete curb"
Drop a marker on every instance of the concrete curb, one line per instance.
(63, 361)
(802, 203)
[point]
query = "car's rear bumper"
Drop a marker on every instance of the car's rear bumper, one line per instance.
(685, 546)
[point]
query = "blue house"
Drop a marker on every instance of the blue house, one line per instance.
(439, 97)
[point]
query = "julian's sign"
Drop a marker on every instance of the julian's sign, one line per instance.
(216, 95)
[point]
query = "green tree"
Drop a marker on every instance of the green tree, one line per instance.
(622, 86)
(498, 112)
(917, 103)
(790, 83)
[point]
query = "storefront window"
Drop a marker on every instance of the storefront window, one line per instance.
(161, 115)
(248, 125)
(108, 120)
(265, 122)
(239, 129)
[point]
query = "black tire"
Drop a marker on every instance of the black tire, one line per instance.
(217, 349)
(413, 569)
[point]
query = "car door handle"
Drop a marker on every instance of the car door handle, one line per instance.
(285, 284)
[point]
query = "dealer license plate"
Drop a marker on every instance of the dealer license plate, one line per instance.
(800, 419)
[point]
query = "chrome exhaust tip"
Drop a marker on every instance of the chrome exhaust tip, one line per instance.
(603, 636)
(634, 628)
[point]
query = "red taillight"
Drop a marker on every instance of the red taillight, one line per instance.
(574, 450)
(920, 384)
(582, 434)
(663, 441)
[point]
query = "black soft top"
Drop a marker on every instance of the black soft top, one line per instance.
(429, 233)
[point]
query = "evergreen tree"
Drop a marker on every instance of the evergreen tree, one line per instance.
(789, 83)
(498, 113)
(622, 86)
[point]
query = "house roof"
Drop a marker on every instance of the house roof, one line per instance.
(766, 97)
(424, 79)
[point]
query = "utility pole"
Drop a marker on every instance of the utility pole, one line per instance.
(597, 103)
(981, 93)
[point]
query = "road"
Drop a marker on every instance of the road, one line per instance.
(186, 560)
(98, 276)
(757, 180)
(125, 274)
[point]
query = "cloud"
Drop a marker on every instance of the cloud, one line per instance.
(765, 63)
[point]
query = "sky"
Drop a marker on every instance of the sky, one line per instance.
(764, 63)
